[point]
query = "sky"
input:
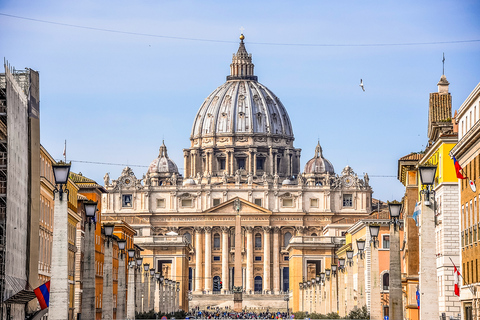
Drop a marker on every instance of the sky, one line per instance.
(118, 77)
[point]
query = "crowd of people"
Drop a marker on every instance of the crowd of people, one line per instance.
(229, 314)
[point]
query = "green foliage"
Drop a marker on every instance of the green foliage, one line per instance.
(151, 315)
(303, 315)
(145, 315)
(359, 313)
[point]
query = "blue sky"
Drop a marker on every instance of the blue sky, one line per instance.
(115, 96)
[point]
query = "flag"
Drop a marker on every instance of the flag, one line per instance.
(43, 294)
(457, 280)
(417, 212)
(417, 294)
(458, 169)
(472, 186)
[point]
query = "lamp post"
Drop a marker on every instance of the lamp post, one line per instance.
(286, 298)
(146, 299)
(161, 292)
(428, 266)
(138, 284)
(107, 303)
(131, 285)
(121, 289)
(58, 308)
(395, 285)
(88, 294)
(151, 299)
(177, 306)
(361, 272)
(375, 299)
(156, 307)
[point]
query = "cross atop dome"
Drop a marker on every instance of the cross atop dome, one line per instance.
(318, 150)
(242, 66)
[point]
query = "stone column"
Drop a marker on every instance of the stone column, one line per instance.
(249, 251)
(350, 295)
(138, 289)
(151, 304)
(428, 264)
(177, 299)
(249, 166)
(121, 289)
(172, 297)
(375, 299)
(227, 162)
(225, 271)
(107, 299)
(271, 161)
(198, 259)
(58, 308)
(88, 295)
(185, 164)
(255, 163)
(208, 259)
(146, 291)
(130, 292)
(266, 260)
(395, 289)
(210, 162)
(156, 307)
(276, 260)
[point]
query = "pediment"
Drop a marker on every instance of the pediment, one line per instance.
(246, 208)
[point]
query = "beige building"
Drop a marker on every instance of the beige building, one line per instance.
(241, 147)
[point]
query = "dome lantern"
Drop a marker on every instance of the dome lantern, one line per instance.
(242, 66)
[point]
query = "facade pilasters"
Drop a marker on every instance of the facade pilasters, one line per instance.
(249, 251)
(198, 259)
(266, 258)
(276, 260)
(208, 259)
(225, 271)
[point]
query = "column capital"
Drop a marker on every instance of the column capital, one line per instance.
(198, 229)
(225, 229)
(276, 229)
(208, 229)
(267, 229)
(248, 229)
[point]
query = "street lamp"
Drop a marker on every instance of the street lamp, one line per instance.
(88, 295)
(286, 298)
(427, 178)
(90, 211)
(146, 267)
(395, 208)
(327, 273)
(374, 230)
(361, 247)
(108, 229)
(58, 308)
(121, 292)
(395, 300)
(341, 262)
(349, 257)
(322, 277)
(107, 303)
(334, 270)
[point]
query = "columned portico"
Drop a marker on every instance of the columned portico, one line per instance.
(198, 260)
(225, 269)
(249, 249)
(276, 260)
(266, 259)
(208, 259)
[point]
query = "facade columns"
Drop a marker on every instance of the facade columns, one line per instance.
(227, 162)
(88, 295)
(185, 164)
(198, 259)
(271, 161)
(208, 259)
(249, 165)
(225, 271)
(107, 301)
(161, 304)
(151, 304)
(375, 299)
(255, 163)
(361, 281)
(249, 251)
(276, 260)
(156, 304)
(395, 286)
(138, 289)
(266, 259)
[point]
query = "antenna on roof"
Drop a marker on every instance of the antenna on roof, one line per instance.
(443, 62)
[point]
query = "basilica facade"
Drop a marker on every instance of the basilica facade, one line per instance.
(241, 160)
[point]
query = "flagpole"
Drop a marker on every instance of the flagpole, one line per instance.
(65, 152)
(468, 284)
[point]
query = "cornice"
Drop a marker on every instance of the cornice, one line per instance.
(470, 138)
(464, 107)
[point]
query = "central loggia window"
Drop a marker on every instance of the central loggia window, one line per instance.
(241, 163)
(126, 200)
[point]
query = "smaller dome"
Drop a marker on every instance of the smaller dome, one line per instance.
(188, 182)
(162, 164)
(287, 182)
(318, 164)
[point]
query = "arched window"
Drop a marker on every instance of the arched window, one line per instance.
(386, 280)
(286, 238)
(188, 236)
(216, 241)
(258, 241)
(314, 234)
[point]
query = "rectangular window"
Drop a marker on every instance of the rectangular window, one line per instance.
(260, 163)
(314, 203)
(216, 258)
(287, 203)
(216, 202)
(187, 202)
(221, 163)
(258, 202)
(347, 200)
(160, 203)
(126, 200)
(258, 258)
(241, 163)
(386, 241)
(285, 258)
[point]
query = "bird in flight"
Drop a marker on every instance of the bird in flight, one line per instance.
(361, 85)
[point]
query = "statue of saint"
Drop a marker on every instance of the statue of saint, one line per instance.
(106, 179)
(366, 179)
(250, 178)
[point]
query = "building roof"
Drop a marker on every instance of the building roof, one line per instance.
(412, 156)
(318, 164)
(84, 182)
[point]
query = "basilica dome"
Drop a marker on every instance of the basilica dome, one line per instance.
(242, 105)
(318, 164)
(162, 164)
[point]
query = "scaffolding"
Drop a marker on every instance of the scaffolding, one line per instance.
(3, 187)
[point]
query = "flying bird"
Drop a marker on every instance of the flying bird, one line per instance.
(361, 85)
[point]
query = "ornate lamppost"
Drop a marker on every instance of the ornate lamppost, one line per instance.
(138, 284)
(375, 299)
(395, 289)
(88, 294)
(58, 308)
(428, 266)
(151, 303)
(146, 300)
(121, 291)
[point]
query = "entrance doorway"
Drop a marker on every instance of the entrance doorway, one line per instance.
(258, 284)
(216, 284)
